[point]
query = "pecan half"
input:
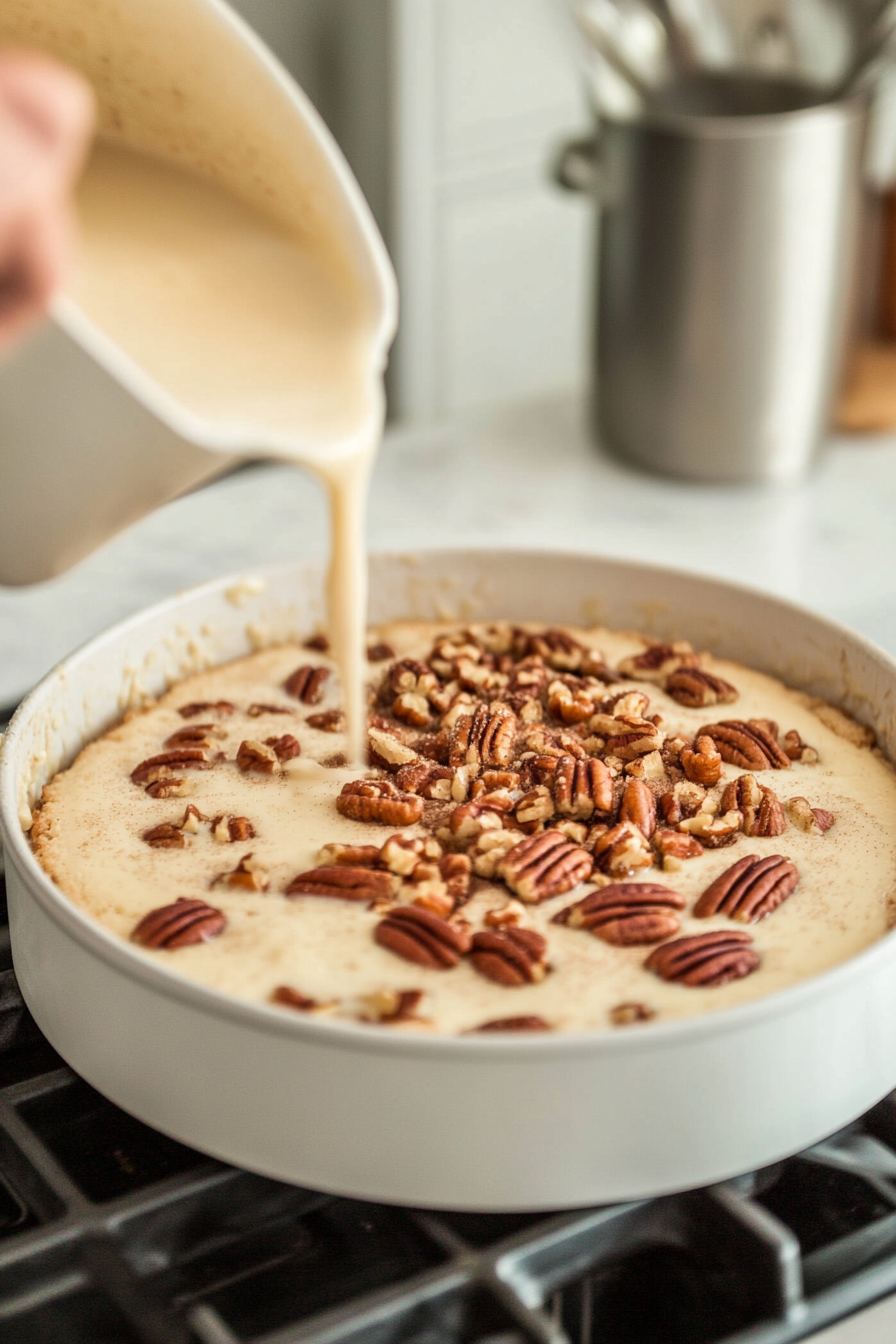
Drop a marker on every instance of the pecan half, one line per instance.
(702, 763)
(622, 850)
(659, 661)
(257, 711)
(379, 653)
(181, 924)
(349, 856)
(639, 807)
(570, 705)
(705, 960)
(484, 738)
(222, 707)
(696, 688)
(345, 884)
(167, 763)
(510, 957)
(626, 914)
(531, 1022)
(329, 721)
(285, 748)
(750, 889)
(543, 866)
(581, 788)
(379, 801)
(306, 683)
(196, 735)
(419, 936)
(747, 744)
(627, 1014)
(813, 819)
(256, 757)
(761, 809)
(166, 836)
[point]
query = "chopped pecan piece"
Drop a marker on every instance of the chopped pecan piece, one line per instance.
(510, 957)
(535, 807)
(258, 711)
(761, 810)
(622, 850)
(379, 653)
(543, 866)
(626, 914)
(401, 853)
(197, 735)
(306, 683)
(659, 661)
(489, 848)
(636, 737)
(558, 649)
(427, 780)
(471, 819)
(285, 748)
(387, 751)
(651, 766)
(455, 871)
(625, 703)
(569, 705)
(582, 788)
(408, 677)
(531, 1022)
(419, 936)
(222, 707)
(675, 849)
(168, 788)
(257, 757)
(713, 831)
(181, 924)
(705, 960)
(639, 807)
(529, 679)
(191, 819)
(696, 688)
(813, 819)
(797, 749)
(747, 744)
(750, 889)
(248, 875)
(379, 801)
(506, 916)
(627, 1014)
(329, 721)
(318, 643)
(485, 738)
(229, 830)
(702, 764)
(166, 836)
(167, 763)
(389, 1006)
(346, 884)
(287, 997)
(412, 708)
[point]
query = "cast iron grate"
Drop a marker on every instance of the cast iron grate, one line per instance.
(113, 1234)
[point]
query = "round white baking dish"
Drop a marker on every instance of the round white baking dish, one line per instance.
(469, 1123)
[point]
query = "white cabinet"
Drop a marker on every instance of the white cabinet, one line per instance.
(449, 111)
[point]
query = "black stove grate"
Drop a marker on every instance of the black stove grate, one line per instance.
(113, 1234)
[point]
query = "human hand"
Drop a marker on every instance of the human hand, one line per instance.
(46, 119)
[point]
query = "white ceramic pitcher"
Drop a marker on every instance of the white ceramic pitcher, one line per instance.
(88, 442)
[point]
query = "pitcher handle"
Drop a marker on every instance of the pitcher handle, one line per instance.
(576, 166)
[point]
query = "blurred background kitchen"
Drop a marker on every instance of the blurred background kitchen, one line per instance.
(452, 113)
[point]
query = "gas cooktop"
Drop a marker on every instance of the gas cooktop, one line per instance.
(113, 1234)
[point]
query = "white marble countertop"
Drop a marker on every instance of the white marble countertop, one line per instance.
(524, 477)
